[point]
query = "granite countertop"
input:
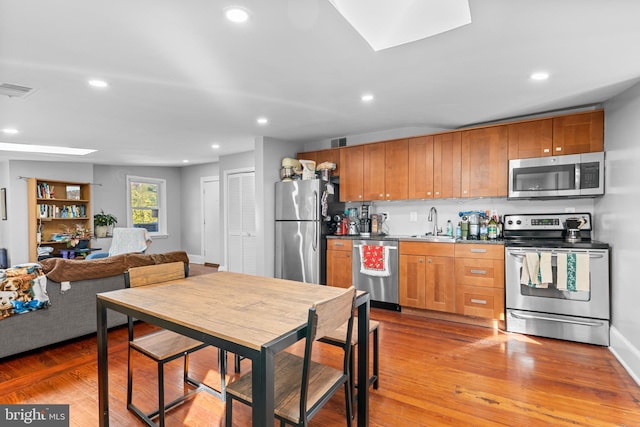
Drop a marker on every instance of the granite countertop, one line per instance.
(415, 238)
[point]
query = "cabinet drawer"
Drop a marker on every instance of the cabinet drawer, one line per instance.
(480, 302)
(487, 273)
(486, 251)
(427, 248)
(339, 245)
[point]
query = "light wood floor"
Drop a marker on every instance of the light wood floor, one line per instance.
(433, 373)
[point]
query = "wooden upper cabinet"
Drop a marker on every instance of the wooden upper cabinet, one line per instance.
(531, 139)
(385, 170)
(485, 162)
(396, 173)
(578, 133)
(352, 173)
(420, 168)
(446, 165)
(374, 171)
(330, 155)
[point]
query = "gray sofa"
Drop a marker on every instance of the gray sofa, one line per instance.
(72, 313)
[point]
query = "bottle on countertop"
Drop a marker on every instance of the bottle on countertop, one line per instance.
(492, 229)
(449, 228)
(458, 232)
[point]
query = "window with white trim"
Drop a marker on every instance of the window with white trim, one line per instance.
(147, 204)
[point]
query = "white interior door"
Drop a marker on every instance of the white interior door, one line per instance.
(241, 223)
(211, 224)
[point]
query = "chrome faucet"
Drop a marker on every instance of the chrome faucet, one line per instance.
(433, 217)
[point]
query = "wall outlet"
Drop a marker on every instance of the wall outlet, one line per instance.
(413, 216)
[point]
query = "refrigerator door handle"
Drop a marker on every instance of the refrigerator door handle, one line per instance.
(315, 211)
(315, 236)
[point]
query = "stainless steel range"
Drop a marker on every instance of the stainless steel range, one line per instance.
(556, 278)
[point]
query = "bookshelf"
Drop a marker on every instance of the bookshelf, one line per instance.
(54, 205)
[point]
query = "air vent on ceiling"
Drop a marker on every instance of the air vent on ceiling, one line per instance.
(14, 91)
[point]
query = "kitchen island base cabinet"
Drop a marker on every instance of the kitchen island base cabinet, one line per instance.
(339, 263)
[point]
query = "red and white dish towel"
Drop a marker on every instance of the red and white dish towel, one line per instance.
(374, 260)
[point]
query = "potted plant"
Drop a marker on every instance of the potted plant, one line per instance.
(102, 221)
(77, 236)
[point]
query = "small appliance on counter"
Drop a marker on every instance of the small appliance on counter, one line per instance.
(365, 221)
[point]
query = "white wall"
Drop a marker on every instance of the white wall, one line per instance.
(617, 220)
(191, 206)
(110, 194)
(269, 153)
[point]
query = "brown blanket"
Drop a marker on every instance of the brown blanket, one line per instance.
(73, 270)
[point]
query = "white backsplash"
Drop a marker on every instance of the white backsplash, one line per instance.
(399, 212)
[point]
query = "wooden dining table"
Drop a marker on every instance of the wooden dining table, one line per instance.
(252, 316)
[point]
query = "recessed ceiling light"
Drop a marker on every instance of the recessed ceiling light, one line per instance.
(236, 14)
(215, 146)
(185, 161)
(262, 120)
(10, 131)
(540, 76)
(98, 83)
(367, 98)
(27, 148)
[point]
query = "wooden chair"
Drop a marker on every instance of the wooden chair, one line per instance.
(164, 346)
(303, 386)
(337, 338)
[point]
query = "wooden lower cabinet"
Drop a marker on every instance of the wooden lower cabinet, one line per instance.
(479, 277)
(427, 276)
(339, 263)
(457, 278)
(480, 302)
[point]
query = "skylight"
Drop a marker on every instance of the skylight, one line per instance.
(46, 149)
(384, 24)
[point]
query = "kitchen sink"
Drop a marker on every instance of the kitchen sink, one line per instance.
(432, 238)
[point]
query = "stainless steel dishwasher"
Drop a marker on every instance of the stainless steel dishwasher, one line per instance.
(381, 283)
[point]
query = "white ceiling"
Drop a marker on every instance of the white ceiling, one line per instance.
(182, 77)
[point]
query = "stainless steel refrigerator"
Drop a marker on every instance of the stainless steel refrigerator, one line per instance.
(303, 213)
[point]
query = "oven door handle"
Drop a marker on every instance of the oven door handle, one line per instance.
(554, 319)
(521, 254)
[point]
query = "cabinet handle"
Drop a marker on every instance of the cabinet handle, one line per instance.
(428, 193)
(479, 251)
(429, 261)
(479, 271)
(437, 193)
(546, 150)
(558, 148)
(420, 260)
(388, 195)
(479, 301)
(348, 255)
(464, 191)
(338, 244)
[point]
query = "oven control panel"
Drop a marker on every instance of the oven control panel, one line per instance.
(546, 222)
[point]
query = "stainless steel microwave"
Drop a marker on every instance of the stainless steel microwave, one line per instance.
(574, 175)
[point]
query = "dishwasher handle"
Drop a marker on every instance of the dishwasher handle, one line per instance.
(392, 248)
